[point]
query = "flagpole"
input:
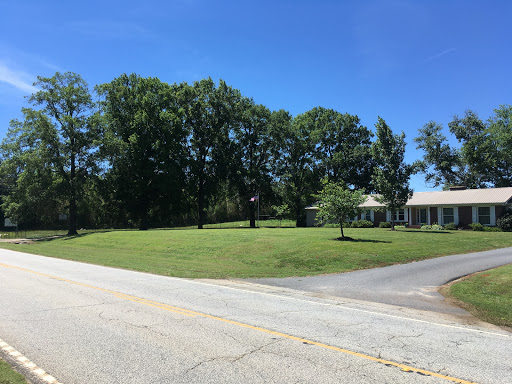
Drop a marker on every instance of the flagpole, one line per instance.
(258, 209)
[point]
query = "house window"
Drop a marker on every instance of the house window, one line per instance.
(448, 215)
(366, 215)
(484, 215)
(400, 215)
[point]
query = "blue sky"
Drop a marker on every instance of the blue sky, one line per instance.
(406, 61)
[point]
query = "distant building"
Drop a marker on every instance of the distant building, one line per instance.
(458, 205)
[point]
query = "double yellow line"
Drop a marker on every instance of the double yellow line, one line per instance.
(187, 312)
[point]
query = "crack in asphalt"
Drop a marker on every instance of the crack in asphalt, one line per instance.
(233, 359)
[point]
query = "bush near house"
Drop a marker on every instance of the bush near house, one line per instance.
(362, 224)
(434, 227)
(476, 227)
(384, 224)
(505, 222)
(451, 227)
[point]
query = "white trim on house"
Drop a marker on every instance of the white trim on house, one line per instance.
(397, 218)
(492, 214)
(440, 215)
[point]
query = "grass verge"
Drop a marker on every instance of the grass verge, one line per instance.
(9, 375)
(487, 295)
(261, 252)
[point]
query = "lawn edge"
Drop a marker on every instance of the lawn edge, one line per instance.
(472, 309)
(21, 364)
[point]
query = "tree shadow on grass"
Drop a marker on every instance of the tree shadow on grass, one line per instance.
(346, 238)
(431, 232)
(66, 237)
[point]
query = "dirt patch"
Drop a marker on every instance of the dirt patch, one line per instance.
(17, 241)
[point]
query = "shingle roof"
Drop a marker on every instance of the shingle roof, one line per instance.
(464, 197)
(439, 198)
(370, 203)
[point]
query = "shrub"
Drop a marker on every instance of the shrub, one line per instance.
(450, 226)
(362, 224)
(505, 223)
(476, 227)
(493, 229)
(434, 226)
(384, 224)
(400, 227)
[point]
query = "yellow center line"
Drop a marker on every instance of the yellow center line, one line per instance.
(161, 306)
(188, 312)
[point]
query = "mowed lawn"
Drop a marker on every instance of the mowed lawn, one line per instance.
(9, 376)
(488, 295)
(261, 252)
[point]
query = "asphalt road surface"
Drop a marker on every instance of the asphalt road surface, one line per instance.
(90, 324)
(411, 285)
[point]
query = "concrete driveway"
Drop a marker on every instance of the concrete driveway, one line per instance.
(411, 285)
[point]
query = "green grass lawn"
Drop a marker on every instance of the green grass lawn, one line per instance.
(9, 376)
(487, 295)
(261, 252)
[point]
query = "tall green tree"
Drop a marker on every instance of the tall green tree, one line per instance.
(32, 197)
(145, 141)
(482, 158)
(442, 164)
(59, 140)
(338, 203)
(499, 129)
(344, 148)
(252, 147)
(296, 170)
(392, 174)
(210, 114)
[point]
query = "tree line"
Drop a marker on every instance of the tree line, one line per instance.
(138, 152)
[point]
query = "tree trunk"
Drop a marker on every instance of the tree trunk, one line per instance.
(144, 216)
(300, 217)
(341, 227)
(72, 217)
(72, 197)
(200, 204)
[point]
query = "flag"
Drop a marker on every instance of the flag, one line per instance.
(254, 198)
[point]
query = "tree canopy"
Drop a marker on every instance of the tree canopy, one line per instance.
(482, 158)
(53, 151)
(149, 154)
(144, 142)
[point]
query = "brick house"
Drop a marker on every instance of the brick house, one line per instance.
(458, 205)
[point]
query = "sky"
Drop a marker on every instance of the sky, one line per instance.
(408, 62)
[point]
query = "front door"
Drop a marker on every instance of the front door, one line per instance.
(421, 216)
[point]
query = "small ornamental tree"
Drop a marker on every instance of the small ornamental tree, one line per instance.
(337, 203)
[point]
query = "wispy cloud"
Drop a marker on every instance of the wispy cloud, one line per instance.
(108, 29)
(17, 79)
(437, 56)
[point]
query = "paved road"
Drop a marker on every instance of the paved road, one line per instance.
(90, 324)
(411, 285)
